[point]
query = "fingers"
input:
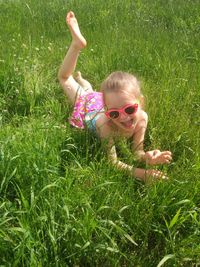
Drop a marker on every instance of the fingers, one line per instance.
(155, 174)
(167, 153)
(166, 157)
(157, 157)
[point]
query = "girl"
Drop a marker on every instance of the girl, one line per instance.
(114, 112)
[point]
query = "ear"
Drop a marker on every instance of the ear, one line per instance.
(142, 100)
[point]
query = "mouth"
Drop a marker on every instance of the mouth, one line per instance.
(128, 124)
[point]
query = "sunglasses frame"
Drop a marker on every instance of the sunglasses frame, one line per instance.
(121, 110)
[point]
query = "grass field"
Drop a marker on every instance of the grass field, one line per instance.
(61, 203)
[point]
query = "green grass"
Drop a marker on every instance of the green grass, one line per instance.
(61, 203)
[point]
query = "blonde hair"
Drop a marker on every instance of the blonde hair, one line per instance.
(119, 81)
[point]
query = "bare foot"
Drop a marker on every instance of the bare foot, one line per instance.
(77, 38)
(78, 76)
(84, 83)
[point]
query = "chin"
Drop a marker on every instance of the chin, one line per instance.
(127, 128)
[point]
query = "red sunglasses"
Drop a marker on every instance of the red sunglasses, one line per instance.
(129, 109)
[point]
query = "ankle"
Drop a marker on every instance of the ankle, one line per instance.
(75, 46)
(78, 45)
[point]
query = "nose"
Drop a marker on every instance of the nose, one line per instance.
(124, 116)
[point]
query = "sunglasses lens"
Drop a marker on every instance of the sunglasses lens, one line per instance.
(130, 110)
(114, 114)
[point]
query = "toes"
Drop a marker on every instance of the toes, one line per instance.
(70, 15)
(78, 74)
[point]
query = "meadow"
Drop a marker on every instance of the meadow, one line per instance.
(61, 203)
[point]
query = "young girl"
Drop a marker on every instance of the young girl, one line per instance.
(114, 112)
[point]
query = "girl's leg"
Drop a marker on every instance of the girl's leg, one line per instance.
(83, 83)
(70, 86)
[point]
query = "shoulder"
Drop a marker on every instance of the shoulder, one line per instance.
(143, 115)
(142, 119)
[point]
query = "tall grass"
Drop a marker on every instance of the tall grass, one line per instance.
(62, 204)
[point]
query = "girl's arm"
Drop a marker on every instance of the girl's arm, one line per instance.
(105, 134)
(112, 156)
(150, 157)
(138, 137)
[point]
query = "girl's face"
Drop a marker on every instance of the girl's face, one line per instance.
(120, 101)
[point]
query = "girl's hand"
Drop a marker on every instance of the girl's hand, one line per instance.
(157, 175)
(148, 175)
(157, 157)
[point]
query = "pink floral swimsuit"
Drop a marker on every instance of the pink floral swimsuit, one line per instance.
(87, 110)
